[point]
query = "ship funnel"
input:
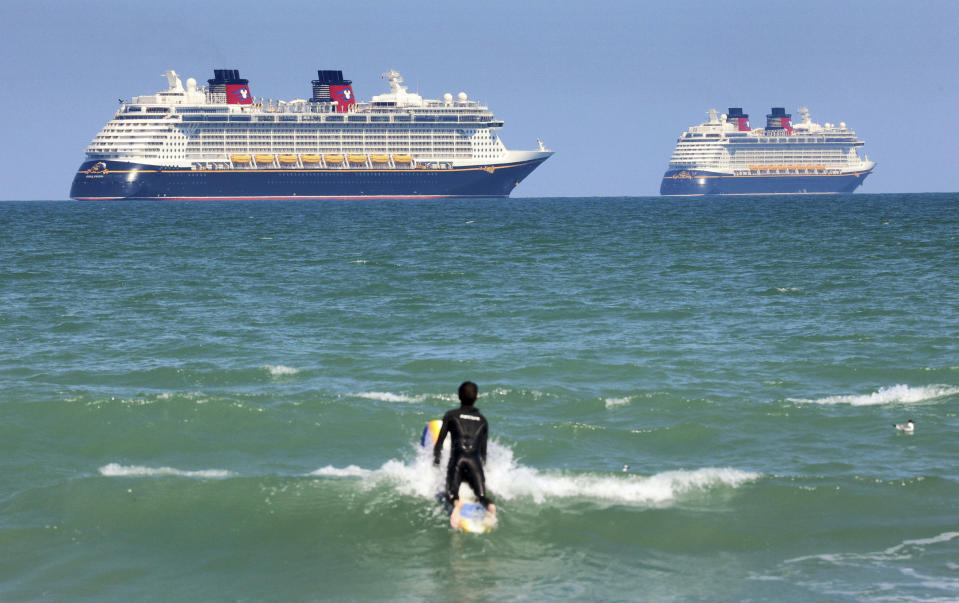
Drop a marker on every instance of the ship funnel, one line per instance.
(779, 120)
(227, 87)
(737, 116)
(329, 86)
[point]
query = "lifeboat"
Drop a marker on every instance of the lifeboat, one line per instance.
(264, 158)
(310, 158)
(357, 158)
(402, 159)
(333, 158)
(287, 159)
(244, 159)
(380, 158)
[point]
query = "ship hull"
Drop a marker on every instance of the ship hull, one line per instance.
(702, 182)
(101, 180)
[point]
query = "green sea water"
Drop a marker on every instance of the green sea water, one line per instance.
(689, 399)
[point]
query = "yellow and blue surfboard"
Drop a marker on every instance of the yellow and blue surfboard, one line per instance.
(430, 433)
(473, 518)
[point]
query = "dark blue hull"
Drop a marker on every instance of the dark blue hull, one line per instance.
(699, 182)
(97, 180)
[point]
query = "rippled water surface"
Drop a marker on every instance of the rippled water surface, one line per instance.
(689, 400)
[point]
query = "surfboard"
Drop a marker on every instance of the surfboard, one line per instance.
(471, 517)
(430, 433)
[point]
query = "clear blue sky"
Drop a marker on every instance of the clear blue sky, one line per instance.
(607, 85)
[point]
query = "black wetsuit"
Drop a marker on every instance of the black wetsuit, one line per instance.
(468, 430)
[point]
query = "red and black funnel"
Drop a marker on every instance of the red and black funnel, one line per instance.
(329, 86)
(739, 118)
(234, 89)
(779, 120)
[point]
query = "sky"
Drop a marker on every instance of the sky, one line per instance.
(607, 85)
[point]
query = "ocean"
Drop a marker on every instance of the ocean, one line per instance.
(689, 399)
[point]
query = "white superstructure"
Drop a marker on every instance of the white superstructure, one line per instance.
(726, 146)
(194, 127)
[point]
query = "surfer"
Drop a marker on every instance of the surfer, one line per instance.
(468, 430)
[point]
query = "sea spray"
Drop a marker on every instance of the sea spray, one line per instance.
(894, 394)
(508, 480)
(118, 470)
(278, 370)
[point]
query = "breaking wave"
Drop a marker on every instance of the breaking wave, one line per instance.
(118, 470)
(351, 471)
(508, 480)
(279, 370)
(895, 394)
(391, 397)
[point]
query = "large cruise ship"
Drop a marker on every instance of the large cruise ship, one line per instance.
(220, 142)
(723, 156)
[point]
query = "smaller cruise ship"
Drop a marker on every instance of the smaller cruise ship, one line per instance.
(724, 156)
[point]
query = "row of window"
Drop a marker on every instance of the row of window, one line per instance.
(221, 123)
(322, 137)
(405, 120)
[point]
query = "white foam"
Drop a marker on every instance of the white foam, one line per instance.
(351, 471)
(895, 563)
(905, 550)
(922, 542)
(508, 480)
(118, 470)
(391, 397)
(279, 370)
(194, 396)
(419, 398)
(611, 402)
(895, 394)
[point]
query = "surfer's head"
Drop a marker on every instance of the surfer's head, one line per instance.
(467, 393)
